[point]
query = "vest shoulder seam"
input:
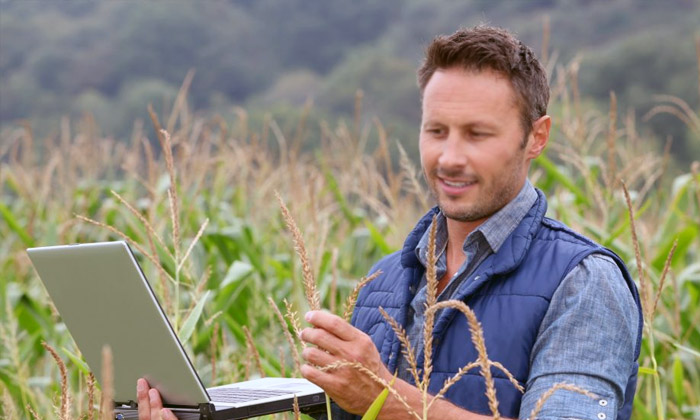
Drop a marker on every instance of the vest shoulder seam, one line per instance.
(560, 227)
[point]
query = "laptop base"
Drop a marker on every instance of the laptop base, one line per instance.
(310, 404)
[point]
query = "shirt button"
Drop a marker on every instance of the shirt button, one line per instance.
(601, 416)
(603, 403)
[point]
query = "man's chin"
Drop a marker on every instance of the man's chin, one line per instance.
(462, 214)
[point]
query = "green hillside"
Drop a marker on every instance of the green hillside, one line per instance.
(112, 58)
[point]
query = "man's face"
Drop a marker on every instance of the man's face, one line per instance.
(471, 143)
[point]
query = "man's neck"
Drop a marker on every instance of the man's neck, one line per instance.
(457, 233)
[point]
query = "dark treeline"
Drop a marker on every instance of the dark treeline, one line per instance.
(112, 58)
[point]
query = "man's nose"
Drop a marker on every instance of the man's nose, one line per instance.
(454, 152)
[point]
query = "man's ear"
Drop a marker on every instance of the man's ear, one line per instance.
(539, 136)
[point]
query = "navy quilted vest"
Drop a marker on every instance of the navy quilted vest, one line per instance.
(509, 292)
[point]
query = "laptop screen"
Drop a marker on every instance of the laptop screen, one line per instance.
(105, 300)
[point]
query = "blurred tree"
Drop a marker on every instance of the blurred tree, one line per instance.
(388, 84)
(293, 88)
(640, 68)
(17, 41)
(102, 109)
(317, 34)
(18, 97)
(135, 96)
(51, 68)
(64, 57)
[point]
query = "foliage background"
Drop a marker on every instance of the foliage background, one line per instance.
(274, 105)
(268, 56)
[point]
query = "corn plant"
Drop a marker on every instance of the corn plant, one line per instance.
(197, 200)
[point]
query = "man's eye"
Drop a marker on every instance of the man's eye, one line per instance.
(436, 131)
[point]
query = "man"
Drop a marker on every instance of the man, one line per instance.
(554, 306)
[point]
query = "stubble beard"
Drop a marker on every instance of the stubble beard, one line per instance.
(489, 202)
(491, 197)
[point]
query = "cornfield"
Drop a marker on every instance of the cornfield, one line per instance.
(196, 198)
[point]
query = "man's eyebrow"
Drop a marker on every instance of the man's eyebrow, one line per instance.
(481, 124)
(493, 125)
(431, 122)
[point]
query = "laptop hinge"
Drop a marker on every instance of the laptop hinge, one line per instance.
(206, 411)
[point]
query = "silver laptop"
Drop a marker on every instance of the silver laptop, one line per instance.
(104, 299)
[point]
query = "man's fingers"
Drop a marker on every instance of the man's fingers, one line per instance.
(317, 357)
(332, 323)
(142, 397)
(156, 403)
(325, 380)
(323, 339)
(167, 414)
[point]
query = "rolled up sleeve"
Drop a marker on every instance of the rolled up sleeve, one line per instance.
(586, 339)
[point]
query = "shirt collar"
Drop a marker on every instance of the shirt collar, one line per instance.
(501, 224)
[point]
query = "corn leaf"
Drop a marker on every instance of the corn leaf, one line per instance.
(553, 171)
(77, 361)
(338, 194)
(14, 225)
(688, 350)
(272, 367)
(678, 378)
(378, 238)
(686, 237)
(191, 321)
(376, 406)
(647, 371)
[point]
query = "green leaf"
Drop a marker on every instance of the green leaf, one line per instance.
(191, 321)
(686, 238)
(678, 379)
(378, 238)
(373, 410)
(325, 265)
(647, 371)
(272, 367)
(236, 272)
(564, 180)
(688, 350)
(15, 225)
(77, 361)
(377, 404)
(338, 194)
(641, 412)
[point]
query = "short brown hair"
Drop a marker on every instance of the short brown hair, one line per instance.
(488, 48)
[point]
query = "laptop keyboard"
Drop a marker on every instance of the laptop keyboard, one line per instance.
(241, 395)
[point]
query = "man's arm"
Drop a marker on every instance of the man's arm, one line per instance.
(353, 390)
(587, 338)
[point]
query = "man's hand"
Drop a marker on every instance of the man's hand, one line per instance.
(336, 340)
(150, 404)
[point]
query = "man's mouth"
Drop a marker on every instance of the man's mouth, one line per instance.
(456, 187)
(458, 184)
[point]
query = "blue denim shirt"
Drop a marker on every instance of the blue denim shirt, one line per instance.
(584, 338)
